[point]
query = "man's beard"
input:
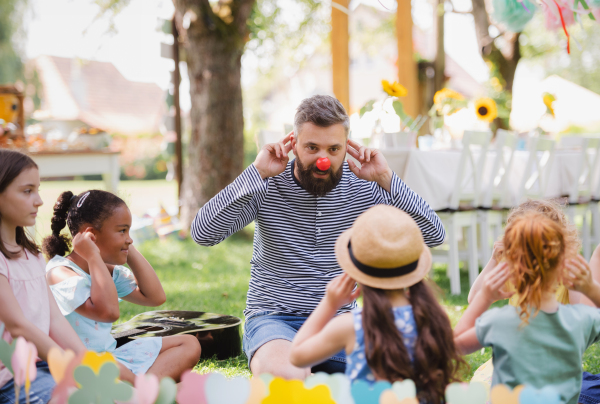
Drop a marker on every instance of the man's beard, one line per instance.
(318, 186)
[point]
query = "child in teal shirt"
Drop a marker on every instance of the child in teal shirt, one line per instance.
(540, 342)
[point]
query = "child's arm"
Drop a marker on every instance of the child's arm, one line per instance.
(496, 256)
(320, 336)
(149, 291)
(60, 330)
(579, 278)
(465, 337)
(13, 318)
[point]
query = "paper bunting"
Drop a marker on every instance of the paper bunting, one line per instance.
(258, 391)
(99, 388)
(465, 393)
(339, 386)
(365, 393)
(547, 395)
(147, 388)
(514, 14)
(6, 350)
(388, 397)
(267, 378)
(67, 384)
(294, 392)
(191, 388)
(501, 394)
(219, 389)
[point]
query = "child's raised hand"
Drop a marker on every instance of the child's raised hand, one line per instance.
(84, 244)
(578, 275)
(340, 291)
(493, 285)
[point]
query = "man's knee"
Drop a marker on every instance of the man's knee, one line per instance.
(274, 358)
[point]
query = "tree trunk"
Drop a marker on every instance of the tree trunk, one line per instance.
(215, 150)
(214, 47)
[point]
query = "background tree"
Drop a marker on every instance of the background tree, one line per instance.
(11, 36)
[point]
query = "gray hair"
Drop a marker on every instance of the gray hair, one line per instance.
(323, 111)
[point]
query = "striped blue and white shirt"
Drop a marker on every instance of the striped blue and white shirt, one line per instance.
(295, 234)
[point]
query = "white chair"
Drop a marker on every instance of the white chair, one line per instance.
(462, 208)
(271, 136)
(580, 192)
(495, 196)
(535, 179)
(399, 140)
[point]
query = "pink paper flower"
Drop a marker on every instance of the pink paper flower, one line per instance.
(552, 15)
(23, 363)
(147, 388)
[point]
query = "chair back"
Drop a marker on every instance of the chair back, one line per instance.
(538, 168)
(496, 186)
(399, 140)
(467, 186)
(586, 166)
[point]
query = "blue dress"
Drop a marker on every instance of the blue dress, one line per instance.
(357, 367)
(139, 355)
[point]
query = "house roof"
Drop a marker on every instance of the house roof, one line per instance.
(97, 93)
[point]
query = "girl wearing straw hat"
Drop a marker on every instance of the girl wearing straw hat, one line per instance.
(401, 332)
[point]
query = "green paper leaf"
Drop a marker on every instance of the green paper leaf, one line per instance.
(101, 388)
(167, 391)
(6, 350)
(368, 107)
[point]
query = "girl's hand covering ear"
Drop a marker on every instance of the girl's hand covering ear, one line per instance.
(84, 244)
(494, 283)
(578, 275)
(341, 291)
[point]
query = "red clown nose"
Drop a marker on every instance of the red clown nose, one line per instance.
(323, 164)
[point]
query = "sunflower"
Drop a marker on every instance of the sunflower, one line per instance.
(394, 89)
(445, 93)
(485, 109)
(548, 101)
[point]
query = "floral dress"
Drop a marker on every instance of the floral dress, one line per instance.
(139, 355)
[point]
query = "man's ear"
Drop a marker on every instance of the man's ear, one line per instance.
(294, 143)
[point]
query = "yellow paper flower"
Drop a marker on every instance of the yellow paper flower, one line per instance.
(548, 101)
(486, 109)
(394, 89)
(294, 392)
(95, 360)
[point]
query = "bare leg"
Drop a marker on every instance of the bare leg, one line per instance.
(595, 267)
(178, 353)
(274, 358)
(125, 374)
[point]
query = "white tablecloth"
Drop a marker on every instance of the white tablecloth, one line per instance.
(432, 174)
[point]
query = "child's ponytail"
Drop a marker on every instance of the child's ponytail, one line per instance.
(436, 361)
(534, 247)
(56, 243)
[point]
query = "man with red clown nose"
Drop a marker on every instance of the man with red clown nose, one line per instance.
(300, 208)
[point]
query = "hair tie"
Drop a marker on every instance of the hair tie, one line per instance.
(82, 199)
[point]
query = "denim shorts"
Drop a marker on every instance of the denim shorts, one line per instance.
(266, 326)
(40, 391)
(590, 389)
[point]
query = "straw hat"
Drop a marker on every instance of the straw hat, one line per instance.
(384, 249)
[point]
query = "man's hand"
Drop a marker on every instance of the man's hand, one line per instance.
(374, 167)
(273, 157)
(340, 291)
(493, 285)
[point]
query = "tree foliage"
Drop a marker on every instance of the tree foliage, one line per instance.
(11, 35)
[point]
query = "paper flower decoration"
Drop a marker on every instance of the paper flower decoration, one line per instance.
(58, 360)
(146, 387)
(514, 14)
(365, 393)
(191, 389)
(294, 392)
(167, 391)
(486, 109)
(67, 384)
(547, 395)
(6, 350)
(501, 394)
(447, 102)
(465, 393)
(95, 360)
(394, 89)
(338, 383)
(219, 389)
(23, 365)
(100, 388)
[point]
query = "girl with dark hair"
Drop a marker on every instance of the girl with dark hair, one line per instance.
(27, 308)
(540, 342)
(401, 332)
(89, 282)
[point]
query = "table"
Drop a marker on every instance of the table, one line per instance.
(80, 162)
(432, 173)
